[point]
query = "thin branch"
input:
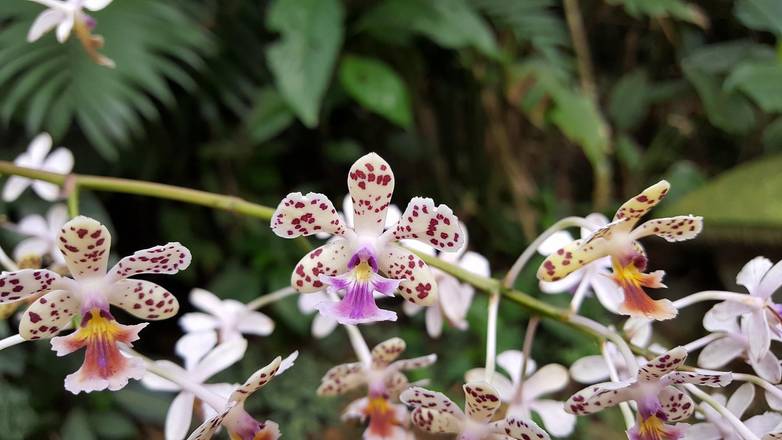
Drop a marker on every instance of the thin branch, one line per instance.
(11, 341)
(724, 412)
(269, 298)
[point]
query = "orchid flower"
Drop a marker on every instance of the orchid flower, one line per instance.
(657, 399)
(716, 428)
(761, 317)
(524, 398)
(455, 298)
(85, 245)
(734, 343)
(592, 277)
(619, 240)
(594, 368)
(352, 263)
(37, 157)
(229, 317)
(384, 379)
(42, 235)
(67, 16)
(202, 360)
(434, 412)
(240, 424)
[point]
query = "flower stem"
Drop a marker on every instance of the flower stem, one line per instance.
(10, 341)
(741, 428)
(269, 298)
(73, 201)
(627, 413)
(702, 342)
(715, 295)
(491, 335)
(526, 350)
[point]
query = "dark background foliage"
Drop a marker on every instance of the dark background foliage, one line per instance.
(501, 109)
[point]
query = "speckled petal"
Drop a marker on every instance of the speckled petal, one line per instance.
(387, 351)
(672, 229)
(331, 259)
(521, 429)
(418, 283)
(431, 420)
(663, 364)
(143, 299)
(24, 283)
(341, 379)
(481, 401)
(676, 404)
(598, 397)
(435, 226)
(169, 259)
(258, 380)
(639, 205)
(298, 215)
(84, 243)
(207, 429)
(421, 397)
(710, 379)
(371, 184)
(48, 315)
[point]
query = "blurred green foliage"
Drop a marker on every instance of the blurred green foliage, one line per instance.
(485, 105)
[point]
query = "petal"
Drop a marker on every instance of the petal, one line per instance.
(169, 259)
(556, 421)
(639, 330)
(422, 398)
(703, 431)
(676, 404)
(194, 346)
(521, 429)
(143, 299)
(255, 323)
(764, 423)
(431, 420)
(434, 321)
(418, 283)
(475, 263)
(502, 384)
(663, 364)
(411, 309)
(387, 351)
(25, 283)
(60, 161)
(14, 187)
(773, 401)
(371, 184)
(719, 352)
(157, 383)
(287, 362)
(481, 400)
(258, 380)
(85, 244)
(755, 328)
(47, 191)
(323, 326)
(771, 281)
(752, 273)
(331, 259)
(207, 429)
(206, 301)
(31, 247)
(768, 368)
(702, 378)
(38, 149)
(198, 322)
(356, 410)
(393, 215)
(435, 226)
(298, 215)
(639, 205)
(556, 241)
(34, 225)
(566, 284)
(179, 415)
(48, 315)
(308, 302)
(95, 5)
(45, 22)
(741, 399)
(595, 398)
(220, 358)
(722, 317)
(589, 369)
(414, 363)
(672, 229)
(455, 301)
(607, 291)
(549, 379)
(341, 379)
(510, 361)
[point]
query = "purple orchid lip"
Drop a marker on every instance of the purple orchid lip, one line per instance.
(363, 254)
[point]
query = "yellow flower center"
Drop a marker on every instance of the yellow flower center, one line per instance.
(653, 428)
(382, 417)
(363, 272)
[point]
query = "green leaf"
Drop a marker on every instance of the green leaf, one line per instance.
(303, 59)
(580, 120)
(270, 116)
(761, 81)
(453, 24)
(762, 15)
(723, 57)
(729, 111)
(377, 87)
(664, 8)
(772, 136)
(628, 103)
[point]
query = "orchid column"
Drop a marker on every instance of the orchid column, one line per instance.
(353, 263)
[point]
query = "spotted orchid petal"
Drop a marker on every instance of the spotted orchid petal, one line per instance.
(25, 283)
(422, 398)
(597, 397)
(772, 436)
(258, 380)
(418, 284)
(143, 299)
(673, 229)
(434, 421)
(85, 243)
(639, 205)
(371, 184)
(499, 381)
(303, 215)
(436, 226)
(387, 351)
(331, 259)
(481, 401)
(341, 379)
(48, 315)
(676, 405)
(414, 363)
(570, 258)
(104, 367)
(521, 429)
(662, 365)
(206, 430)
(169, 259)
(714, 379)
